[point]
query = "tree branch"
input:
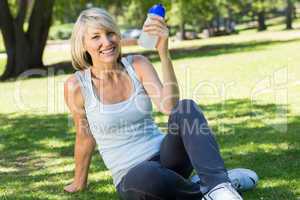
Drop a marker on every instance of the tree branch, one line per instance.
(39, 24)
(23, 4)
(40, 17)
(6, 24)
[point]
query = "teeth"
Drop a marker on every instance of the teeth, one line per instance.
(107, 51)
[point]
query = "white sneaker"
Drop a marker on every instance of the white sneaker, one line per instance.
(241, 179)
(223, 191)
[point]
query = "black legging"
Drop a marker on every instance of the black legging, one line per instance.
(188, 145)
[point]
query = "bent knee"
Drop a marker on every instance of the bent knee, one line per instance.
(146, 179)
(186, 106)
(143, 175)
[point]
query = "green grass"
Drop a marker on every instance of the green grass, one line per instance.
(2, 65)
(248, 86)
(1, 43)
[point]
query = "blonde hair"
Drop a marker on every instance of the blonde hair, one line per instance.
(92, 17)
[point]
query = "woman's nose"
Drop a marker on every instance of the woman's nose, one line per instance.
(106, 40)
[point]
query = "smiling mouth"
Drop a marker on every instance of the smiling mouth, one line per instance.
(108, 51)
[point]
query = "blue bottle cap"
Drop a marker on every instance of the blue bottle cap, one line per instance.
(157, 9)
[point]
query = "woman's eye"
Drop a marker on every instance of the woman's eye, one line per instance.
(110, 33)
(95, 37)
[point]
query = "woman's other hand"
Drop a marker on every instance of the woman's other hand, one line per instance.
(84, 141)
(74, 187)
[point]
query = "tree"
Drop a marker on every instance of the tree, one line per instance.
(24, 48)
(289, 14)
(260, 8)
(196, 13)
(178, 16)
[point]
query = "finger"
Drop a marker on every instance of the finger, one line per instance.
(155, 23)
(158, 21)
(154, 32)
(69, 188)
(153, 26)
(157, 18)
(157, 31)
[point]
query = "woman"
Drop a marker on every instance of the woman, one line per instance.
(110, 101)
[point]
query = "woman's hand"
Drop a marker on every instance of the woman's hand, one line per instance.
(74, 187)
(158, 27)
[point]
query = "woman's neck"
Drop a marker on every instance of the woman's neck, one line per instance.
(106, 71)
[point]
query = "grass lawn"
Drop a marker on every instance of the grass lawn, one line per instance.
(2, 49)
(248, 86)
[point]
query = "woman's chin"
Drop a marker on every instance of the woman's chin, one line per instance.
(109, 59)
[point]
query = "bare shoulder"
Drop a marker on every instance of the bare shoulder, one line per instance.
(140, 60)
(72, 93)
(72, 84)
(141, 65)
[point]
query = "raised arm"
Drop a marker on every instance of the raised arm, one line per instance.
(164, 94)
(85, 143)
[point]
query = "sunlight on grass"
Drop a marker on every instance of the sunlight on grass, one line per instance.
(53, 143)
(247, 85)
(107, 189)
(2, 65)
(8, 169)
(2, 49)
(254, 147)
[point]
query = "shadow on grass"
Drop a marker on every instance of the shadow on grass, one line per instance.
(36, 152)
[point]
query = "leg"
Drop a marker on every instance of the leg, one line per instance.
(190, 137)
(174, 157)
(150, 181)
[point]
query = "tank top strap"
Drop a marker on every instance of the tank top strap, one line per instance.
(127, 62)
(130, 59)
(84, 81)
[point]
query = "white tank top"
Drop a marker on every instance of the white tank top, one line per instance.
(125, 132)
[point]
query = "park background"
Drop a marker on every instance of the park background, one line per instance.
(238, 59)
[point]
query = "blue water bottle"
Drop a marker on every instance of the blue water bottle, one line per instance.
(149, 41)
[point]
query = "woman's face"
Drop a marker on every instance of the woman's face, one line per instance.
(102, 45)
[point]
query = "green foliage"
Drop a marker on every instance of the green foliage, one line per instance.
(135, 12)
(266, 5)
(60, 32)
(195, 13)
(67, 11)
(200, 13)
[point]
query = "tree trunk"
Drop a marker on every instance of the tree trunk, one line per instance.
(25, 49)
(289, 14)
(218, 22)
(261, 21)
(229, 22)
(182, 30)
